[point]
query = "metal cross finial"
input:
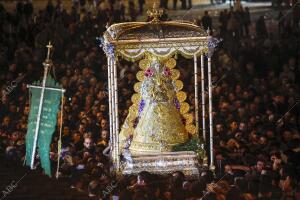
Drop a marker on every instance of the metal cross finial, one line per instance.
(49, 47)
(155, 13)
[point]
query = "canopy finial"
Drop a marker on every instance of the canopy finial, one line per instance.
(155, 13)
(49, 47)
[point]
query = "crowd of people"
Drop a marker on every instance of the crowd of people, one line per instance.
(185, 4)
(255, 98)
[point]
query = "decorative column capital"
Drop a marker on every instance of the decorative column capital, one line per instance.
(108, 48)
(212, 44)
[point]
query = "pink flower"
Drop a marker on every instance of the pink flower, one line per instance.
(149, 72)
(167, 71)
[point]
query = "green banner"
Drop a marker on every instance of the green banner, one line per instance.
(50, 107)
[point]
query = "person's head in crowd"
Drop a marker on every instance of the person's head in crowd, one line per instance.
(6, 121)
(103, 108)
(88, 143)
(104, 134)
(104, 138)
(125, 92)
(128, 103)
(196, 189)
(26, 110)
(101, 95)
(232, 144)
(87, 135)
(177, 179)
(130, 77)
(186, 185)
(221, 188)
(260, 165)
(76, 137)
(228, 169)
(270, 134)
(263, 141)
(238, 135)
(104, 179)
(287, 135)
(95, 110)
(94, 188)
(143, 178)
(219, 128)
(222, 143)
(253, 137)
(66, 131)
(93, 82)
(99, 116)
(89, 121)
(84, 122)
(233, 126)
(207, 175)
(15, 136)
(104, 124)
(242, 126)
(167, 195)
(82, 128)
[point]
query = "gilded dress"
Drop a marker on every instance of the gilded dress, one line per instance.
(158, 125)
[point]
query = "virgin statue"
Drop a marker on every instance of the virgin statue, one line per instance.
(157, 124)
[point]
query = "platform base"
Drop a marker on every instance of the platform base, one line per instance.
(162, 163)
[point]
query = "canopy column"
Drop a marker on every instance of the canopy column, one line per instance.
(111, 106)
(211, 133)
(116, 111)
(196, 94)
(212, 44)
(203, 98)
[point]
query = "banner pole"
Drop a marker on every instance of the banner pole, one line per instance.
(46, 65)
(60, 133)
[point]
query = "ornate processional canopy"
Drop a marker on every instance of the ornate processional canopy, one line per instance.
(132, 40)
(158, 122)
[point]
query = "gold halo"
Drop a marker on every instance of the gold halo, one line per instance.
(189, 118)
(175, 74)
(140, 76)
(179, 84)
(171, 63)
(181, 96)
(191, 129)
(137, 87)
(184, 107)
(136, 98)
(144, 64)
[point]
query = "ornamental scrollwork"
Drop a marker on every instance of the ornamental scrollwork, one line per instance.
(108, 48)
(212, 45)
